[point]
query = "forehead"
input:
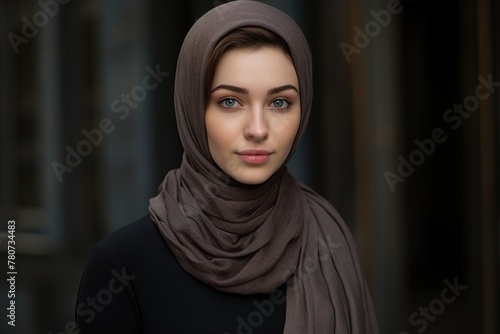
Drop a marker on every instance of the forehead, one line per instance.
(255, 67)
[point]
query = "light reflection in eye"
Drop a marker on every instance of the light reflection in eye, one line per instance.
(229, 103)
(280, 104)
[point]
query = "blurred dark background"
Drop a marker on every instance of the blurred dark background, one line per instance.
(415, 177)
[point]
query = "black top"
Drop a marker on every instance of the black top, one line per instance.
(132, 283)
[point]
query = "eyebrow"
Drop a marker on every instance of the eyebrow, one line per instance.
(245, 91)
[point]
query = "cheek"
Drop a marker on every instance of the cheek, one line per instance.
(219, 134)
(285, 128)
(212, 132)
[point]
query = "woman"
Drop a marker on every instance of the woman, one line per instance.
(233, 243)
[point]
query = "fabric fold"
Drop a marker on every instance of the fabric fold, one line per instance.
(253, 239)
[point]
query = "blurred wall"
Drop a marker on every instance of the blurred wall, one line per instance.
(404, 141)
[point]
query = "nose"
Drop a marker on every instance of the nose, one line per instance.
(257, 128)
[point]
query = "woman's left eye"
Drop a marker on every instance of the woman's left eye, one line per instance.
(280, 104)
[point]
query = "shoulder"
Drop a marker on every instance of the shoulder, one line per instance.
(134, 240)
(131, 233)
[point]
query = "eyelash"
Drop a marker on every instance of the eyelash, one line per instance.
(289, 104)
(221, 103)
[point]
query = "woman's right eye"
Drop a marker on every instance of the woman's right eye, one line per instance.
(229, 103)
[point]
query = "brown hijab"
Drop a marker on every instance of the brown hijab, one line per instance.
(252, 239)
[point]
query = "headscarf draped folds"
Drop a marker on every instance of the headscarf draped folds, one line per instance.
(253, 239)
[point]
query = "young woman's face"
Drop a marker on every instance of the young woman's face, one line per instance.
(253, 113)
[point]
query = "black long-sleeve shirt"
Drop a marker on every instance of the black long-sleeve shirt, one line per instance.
(132, 283)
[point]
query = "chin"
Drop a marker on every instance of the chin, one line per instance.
(252, 177)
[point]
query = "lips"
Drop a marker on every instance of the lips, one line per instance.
(254, 157)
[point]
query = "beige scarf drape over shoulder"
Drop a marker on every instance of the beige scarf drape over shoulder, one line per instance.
(252, 239)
